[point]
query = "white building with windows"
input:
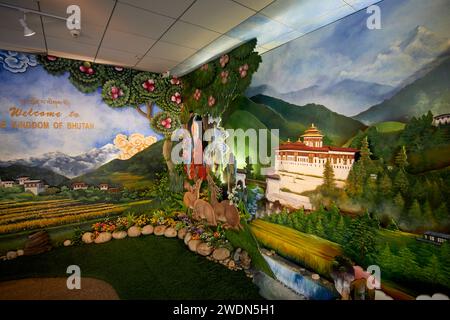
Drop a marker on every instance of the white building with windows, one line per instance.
(299, 167)
(34, 186)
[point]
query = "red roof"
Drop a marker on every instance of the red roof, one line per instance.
(301, 146)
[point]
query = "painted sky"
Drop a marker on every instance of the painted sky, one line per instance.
(36, 83)
(413, 33)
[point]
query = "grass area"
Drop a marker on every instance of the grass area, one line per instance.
(311, 251)
(245, 239)
(390, 126)
(140, 268)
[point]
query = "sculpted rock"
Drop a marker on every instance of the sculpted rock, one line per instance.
(204, 249)
(67, 243)
(193, 244)
(187, 238)
(237, 254)
(118, 235)
(159, 230)
(11, 255)
(134, 232)
(245, 260)
(103, 237)
(221, 254)
(88, 237)
(182, 233)
(148, 229)
(170, 232)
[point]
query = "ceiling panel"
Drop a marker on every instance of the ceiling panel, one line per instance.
(189, 35)
(92, 12)
(155, 64)
(217, 15)
(171, 8)
(255, 4)
(29, 4)
(170, 51)
(90, 33)
(136, 21)
(70, 49)
(115, 39)
(12, 32)
(12, 39)
(117, 57)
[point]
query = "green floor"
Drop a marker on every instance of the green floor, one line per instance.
(148, 267)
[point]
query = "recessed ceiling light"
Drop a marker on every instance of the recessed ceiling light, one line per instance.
(27, 32)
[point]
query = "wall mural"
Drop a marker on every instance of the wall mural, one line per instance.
(358, 185)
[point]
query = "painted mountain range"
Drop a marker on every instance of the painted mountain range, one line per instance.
(348, 82)
(69, 166)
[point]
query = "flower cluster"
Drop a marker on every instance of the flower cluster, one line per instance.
(149, 85)
(243, 70)
(224, 76)
(116, 92)
(122, 224)
(235, 196)
(105, 226)
(142, 220)
(175, 81)
(197, 94)
(224, 60)
(167, 122)
(86, 68)
(204, 67)
(176, 98)
(211, 101)
(133, 144)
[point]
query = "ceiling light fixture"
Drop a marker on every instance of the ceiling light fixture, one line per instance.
(27, 32)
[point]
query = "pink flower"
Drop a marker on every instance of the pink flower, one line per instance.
(204, 67)
(116, 92)
(211, 101)
(176, 98)
(149, 85)
(51, 58)
(224, 60)
(224, 76)
(118, 69)
(197, 94)
(166, 123)
(175, 81)
(243, 70)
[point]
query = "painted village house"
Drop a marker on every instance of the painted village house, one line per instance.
(7, 184)
(299, 167)
(34, 186)
(79, 186)
(22, 180)
(104, 186)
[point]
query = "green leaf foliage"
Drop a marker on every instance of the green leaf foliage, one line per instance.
(115, 93)
(54, 65)
(86, 76)
(165, 123)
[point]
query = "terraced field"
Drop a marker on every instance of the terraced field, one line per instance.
(19, 216)
(313, 252)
